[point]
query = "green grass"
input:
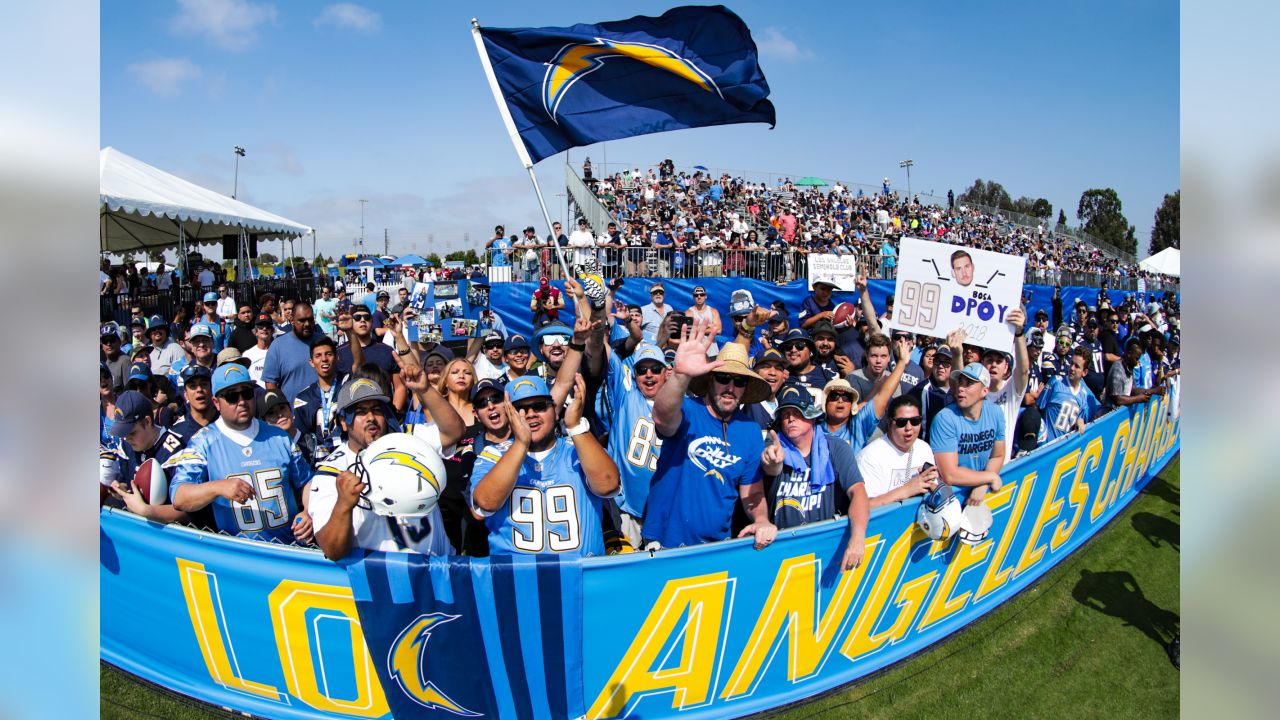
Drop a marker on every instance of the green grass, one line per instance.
(1089, 640)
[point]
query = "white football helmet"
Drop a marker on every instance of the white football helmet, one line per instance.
(940, 513)
(403, 474)
(975, 524)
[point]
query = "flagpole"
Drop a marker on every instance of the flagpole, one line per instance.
(514, 134)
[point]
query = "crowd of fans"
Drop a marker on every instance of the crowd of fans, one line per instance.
(613, 428)
(691, 224)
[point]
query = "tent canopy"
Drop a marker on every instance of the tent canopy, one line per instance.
(811, 182)
(142, 206)
(1166, 262)
(410, 260)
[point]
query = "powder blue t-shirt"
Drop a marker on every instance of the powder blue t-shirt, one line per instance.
(700, 468)
(971, 440)
(288, 364)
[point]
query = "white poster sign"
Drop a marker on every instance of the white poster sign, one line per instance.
(839, 270)
(944, 287)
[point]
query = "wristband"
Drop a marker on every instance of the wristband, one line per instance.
(1018, 334)
(580, 347)
(403, 352)
(582, 427)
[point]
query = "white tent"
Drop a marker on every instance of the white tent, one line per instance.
(141, 207)
(1166, 262)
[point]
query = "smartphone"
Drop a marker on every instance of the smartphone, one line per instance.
(925, 468)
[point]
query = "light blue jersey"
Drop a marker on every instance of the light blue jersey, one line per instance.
(857, 431)
(1061, 406)
(550, 511)
(971, 440)
(634, 444)
(263, 456)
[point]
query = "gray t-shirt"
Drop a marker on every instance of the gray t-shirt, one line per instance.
(792, 502)
(1119, 383)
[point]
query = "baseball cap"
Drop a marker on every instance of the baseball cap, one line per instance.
(139, 371)
(1008, 358)
(157, 323)
(1035, 338)
(975, 371)
(670, 355)
(797, 396)
(515, 342)
(356, 391)
(228, 376)
(383, 295)
(824, 327)
(544, 281)
(439, 350)
(741, 303)
(195, 371)
(264, 321)
(492, 335)
(131, 407)
(1064, 331)
(270, 399)
(211, 297)
(657, 287)
(1042, 314)
(897, 333)
(648, 351)
(944, 351)
(793, 335)
(139, 349)
(699, 289)
(527, 386)
(487, 384)
(110, 329)
(770, 355)
(103, 367)
(1091, 322)
(138, 322)
(1153, 308)
(200, 329)
(828, 283)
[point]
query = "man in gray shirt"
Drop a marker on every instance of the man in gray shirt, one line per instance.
(1120, 390)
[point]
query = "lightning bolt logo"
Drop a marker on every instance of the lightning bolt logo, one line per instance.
(575, 62)
(405, 664)
(404, 459)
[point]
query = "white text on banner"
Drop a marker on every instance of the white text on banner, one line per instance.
(839, 270)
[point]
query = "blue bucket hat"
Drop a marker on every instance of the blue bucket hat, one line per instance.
(228, 376)
(551, 328)
(131, 407)
(526, 387)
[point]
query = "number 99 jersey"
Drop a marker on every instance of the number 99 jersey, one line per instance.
(550, 509)
(265, 458)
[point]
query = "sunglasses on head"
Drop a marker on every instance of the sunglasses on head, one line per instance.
(904, 421)
(730, 379)
(235, 396)
(535, 406)
(486, 400)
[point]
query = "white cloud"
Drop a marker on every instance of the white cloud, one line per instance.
(351, 17)
(165, 76)
(231, 24)
(775, 45)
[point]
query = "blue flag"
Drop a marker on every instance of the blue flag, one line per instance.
(440, 629)
(578, 85)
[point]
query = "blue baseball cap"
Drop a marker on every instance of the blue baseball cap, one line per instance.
(487, 384)
(139, 371)
(976, 371)
(648, 351)
(103, 367)
(515, 342)
(110, 329)
(138, 322)
(200, 330)
(131, 407)
(230, 375)
(157, 323)
(211, 296)
(770, 355)
(797, 396)
(528, 386)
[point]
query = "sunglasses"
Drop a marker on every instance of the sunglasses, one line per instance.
(728, 379)
(555, 340)
(904, 421)
(793, 347)
(235, 396)
(362, 317)
(485, 401)
(699, 294)
(493, 346)
(650, 369)
(840, 397)
(537, 406)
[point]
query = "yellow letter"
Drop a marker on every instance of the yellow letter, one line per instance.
(793, 606)
(204, 605)
(1118, 444)
(699, 598)
(1049, 509)
(289, 603)
(994, 577)
(1078, 496)
(862, 639)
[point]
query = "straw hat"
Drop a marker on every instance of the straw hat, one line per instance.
(735, 363)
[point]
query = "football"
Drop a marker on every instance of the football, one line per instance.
(843, 315)
(152, 482)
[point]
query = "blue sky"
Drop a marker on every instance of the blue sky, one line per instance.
(388, 102)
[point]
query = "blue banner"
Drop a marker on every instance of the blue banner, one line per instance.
(719, 630)
(578, 85)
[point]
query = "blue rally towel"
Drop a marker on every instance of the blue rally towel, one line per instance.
(578, 85)
(440, 629)
(821, 473)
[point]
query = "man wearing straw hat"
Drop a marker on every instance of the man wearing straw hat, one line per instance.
(710, 448)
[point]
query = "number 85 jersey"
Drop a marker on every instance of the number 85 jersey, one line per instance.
(550, 510)
(261, 455)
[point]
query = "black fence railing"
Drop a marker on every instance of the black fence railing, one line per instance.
(115, 306)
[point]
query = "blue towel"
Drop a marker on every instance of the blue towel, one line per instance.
(821, 473)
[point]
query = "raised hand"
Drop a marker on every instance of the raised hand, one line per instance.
(344, 322)
(414, 377)
(577, 399)
(861, 282)
(758, 316)
(771, 458)
(1017, 317)
(573, 289)
(691, 357)
(350, 488)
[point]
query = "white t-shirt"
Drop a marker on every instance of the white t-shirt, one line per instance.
(583, 243)
(485, 368)
(425, 535)
(1009, 399)
(227, 308)
(884, 466)
(257, 358)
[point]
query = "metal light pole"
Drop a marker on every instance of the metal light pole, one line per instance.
(907, 164)
(362, 204)
(239, 151)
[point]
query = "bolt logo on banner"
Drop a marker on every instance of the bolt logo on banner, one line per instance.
(577, 61)
(404, 662)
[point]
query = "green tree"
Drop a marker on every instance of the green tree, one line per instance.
(1038, 208)
(1166, 233)
(986, 192)
(434, 259)
(267, 259)
(467, 256)
(1062, 217)
(1100, 214)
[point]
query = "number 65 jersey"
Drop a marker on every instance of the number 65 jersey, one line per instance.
(550, 510)
(261, 455)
